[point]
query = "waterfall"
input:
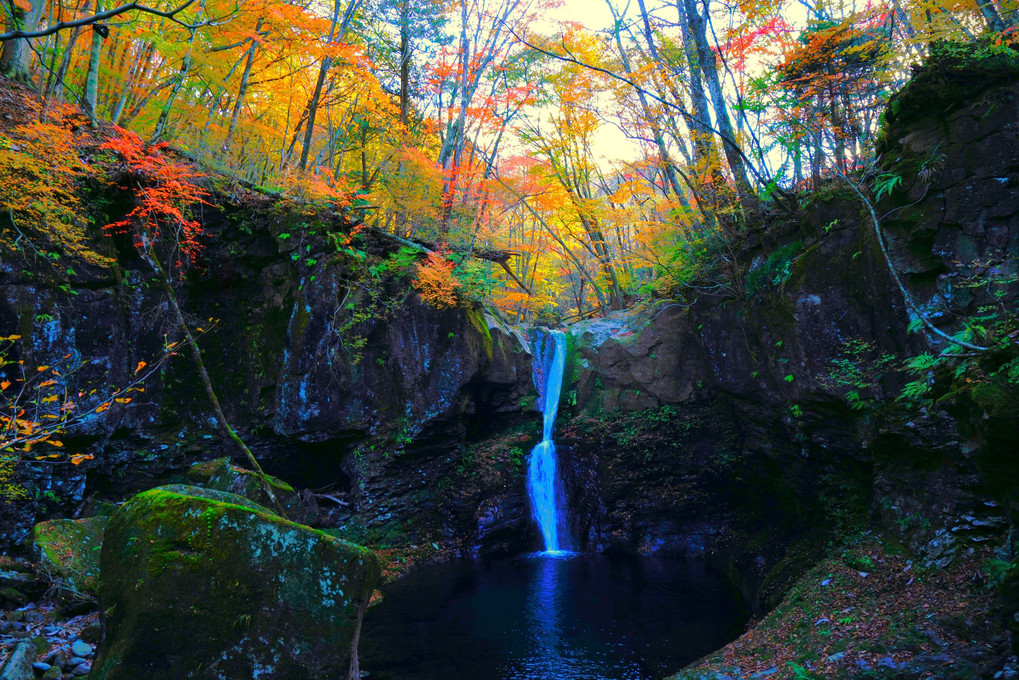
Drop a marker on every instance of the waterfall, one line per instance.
(542, 484)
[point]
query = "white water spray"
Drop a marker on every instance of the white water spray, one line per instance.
(542, 486)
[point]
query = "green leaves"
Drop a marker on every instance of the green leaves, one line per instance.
(921, 362)
(885, 184)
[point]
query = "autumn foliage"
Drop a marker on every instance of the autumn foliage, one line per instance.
(165, 189)
(412, 118)
(40, 171)
(436, 282)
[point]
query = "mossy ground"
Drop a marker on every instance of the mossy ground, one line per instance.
(866, 611)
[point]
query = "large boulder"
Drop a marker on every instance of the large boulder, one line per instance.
(67, 550)
(204, 584)
(18, 665)
(220, 475)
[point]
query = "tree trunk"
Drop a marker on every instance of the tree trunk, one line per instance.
(316, 97)
(404, 62)
(242, 89)
(16, 53)
(182, 75)
(709, 69)
(991, 16)
(92, 77)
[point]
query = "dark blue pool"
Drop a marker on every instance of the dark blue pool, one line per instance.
(534, 617)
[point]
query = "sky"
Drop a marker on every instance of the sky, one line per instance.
(611, 145)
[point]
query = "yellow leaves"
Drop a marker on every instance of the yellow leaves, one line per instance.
(103, 407)
(39, 170)
(123, 400)
(42, 368)
(435, 281)
(56, 443)
(10, 338)
(78, 458)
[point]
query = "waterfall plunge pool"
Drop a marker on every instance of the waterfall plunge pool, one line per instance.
(541, 617)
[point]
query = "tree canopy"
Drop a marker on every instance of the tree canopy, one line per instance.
(484, 125)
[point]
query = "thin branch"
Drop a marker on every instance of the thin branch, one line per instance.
(895, 275)
(101, 16)
(661, 100)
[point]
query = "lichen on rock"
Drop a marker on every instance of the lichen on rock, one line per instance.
(202, 587)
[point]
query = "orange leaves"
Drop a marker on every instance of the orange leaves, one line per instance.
(319, 186)
(435, 281)
(166, 188)
(141, 365)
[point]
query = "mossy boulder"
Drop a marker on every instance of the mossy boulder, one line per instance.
(68, 551)
(220, 475)
(953, 75)
(203, 584)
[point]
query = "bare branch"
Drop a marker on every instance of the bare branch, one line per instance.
(96, 18)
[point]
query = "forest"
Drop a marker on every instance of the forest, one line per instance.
(509, 339)
(605, 163)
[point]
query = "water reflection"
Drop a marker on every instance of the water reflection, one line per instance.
(550, 617)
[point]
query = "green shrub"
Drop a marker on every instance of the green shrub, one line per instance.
(775, 271)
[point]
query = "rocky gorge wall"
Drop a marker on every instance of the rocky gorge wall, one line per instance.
(720, 427)
(338, 380)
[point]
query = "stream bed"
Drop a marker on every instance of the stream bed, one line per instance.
(542, 617)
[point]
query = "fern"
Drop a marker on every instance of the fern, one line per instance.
(885, 184)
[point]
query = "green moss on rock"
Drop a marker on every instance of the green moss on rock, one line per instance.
(201, 584)
(220, 475)
(69, 551)
(953, 74)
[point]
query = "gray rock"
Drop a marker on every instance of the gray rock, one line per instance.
(837, 656)
(889, 662)
(80, 648)
(19, 663)
(68, 549)
(73, 662)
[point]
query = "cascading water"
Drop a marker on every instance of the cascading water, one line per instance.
(542, 484)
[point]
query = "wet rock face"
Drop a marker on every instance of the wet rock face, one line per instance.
(781, 448)
(309, 361)
(228, 590)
